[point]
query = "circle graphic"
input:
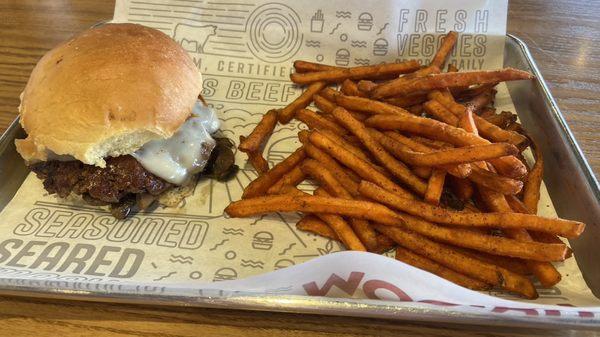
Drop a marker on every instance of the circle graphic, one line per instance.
(343, 37)
(195, 275)
(274, 33)
(230, 255)
(320, 58)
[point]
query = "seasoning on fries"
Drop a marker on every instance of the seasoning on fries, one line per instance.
(404, 155)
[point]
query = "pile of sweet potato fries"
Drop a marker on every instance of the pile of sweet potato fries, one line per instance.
(410, 157)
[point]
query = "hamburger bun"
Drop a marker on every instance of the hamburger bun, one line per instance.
(106, 92)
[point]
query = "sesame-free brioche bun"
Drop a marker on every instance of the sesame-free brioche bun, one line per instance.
(106, 92)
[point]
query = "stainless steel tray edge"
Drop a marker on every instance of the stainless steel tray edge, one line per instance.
(12, 175)
(571, 183)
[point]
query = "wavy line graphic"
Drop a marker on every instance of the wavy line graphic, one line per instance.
(362, 62)
(252, 264)
(383, 28)
(219, 244)
(237, 111)
(180, 261)
(165, 276)
(244, 125)
(359, 44)
(182, 258)
(313, 43)
(279, 129)
(288, 248)
(335, 28)
(233, 231)
(342, 14)
(230, 118)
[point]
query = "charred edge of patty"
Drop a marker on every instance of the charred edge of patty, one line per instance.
(124, 184)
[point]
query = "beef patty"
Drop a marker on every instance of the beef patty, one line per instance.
(122, 177)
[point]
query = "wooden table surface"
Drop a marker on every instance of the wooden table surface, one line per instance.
(564, 37)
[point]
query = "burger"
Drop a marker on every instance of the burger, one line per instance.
(114, 116)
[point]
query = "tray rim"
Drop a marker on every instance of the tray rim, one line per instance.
(341, 306)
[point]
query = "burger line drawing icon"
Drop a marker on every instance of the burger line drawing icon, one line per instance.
(225, 274)
(262, 241)
(365, 21)
(380, 47)
(342, 57)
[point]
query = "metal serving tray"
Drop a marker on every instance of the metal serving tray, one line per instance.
(568, 177)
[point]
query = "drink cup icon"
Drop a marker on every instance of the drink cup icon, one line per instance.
(317, 22)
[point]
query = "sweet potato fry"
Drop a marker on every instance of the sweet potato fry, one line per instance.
(381, 214)
(461, 187)
(545, 272)
(355, 149)
(286, 114)
(362, 228)
(441, 131)
(256, 159)
(458, 155)
(325, 178)
(418, 261)
(461, 263)
(397, 168)
(495, 134)
(384, 243)
(350, 88)
(261, 185)
(365, 86)
(369, 106)
(447, 80)
(501, 120)
(435, 187)
(259, 163)
(368, 86)
(482, 100)
(416, 110)
(341, 228)
(420, 171)
(533, 183)
(494, 181)
(394, 143)
(485, 129)
(468, 238)
(306, 67)
(312, 224)
(566, 228)
(260, 134)
(329, 93)
(364, 72)
(439, 112)
(513, 264)
(442, 54)
(326, 105)
(407, 101)
(469, 92)
(363, 168)
(313, 204)
(315, 121)
(347, 177)
(432, 143)
(323, 103)
(292, 178)
(467, 122)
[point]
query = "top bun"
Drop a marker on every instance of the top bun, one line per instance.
(106, 92)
